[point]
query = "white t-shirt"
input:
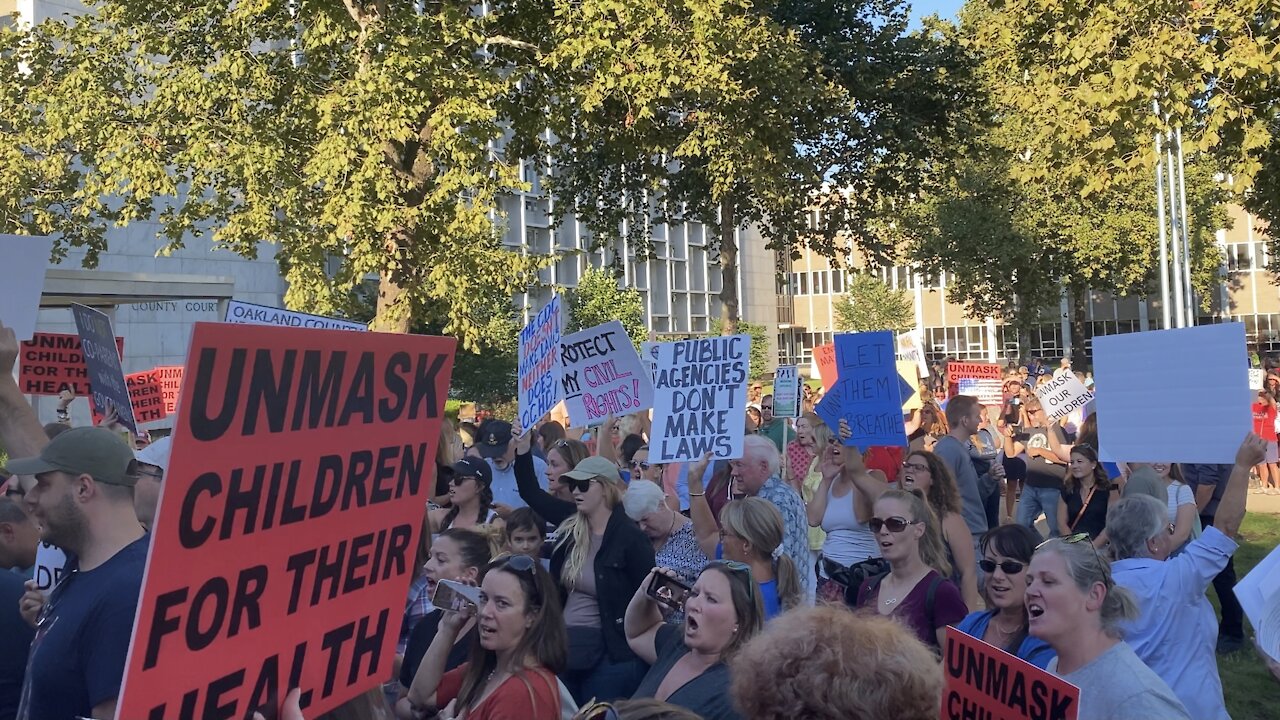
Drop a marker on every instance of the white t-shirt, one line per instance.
(1179, 494)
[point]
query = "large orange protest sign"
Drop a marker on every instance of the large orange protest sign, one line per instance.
(284, 541)
(170, 384)
(983, 681)
(49, 363)
(973, 370)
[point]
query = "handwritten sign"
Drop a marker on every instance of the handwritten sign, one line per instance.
(49, 363)
(539, 366)
(649, 358)
(911, 347)
(824, 361)
(602, 375)
(986, 390)
(700, 398)
(1141, 420)
(1257, 376)
(983, 681)
(868, 391)
(243, 313)
(786, 392)
(1063, 395)
(102, 359)
(24, 259)
(296, 487)
(50, 564)
(973, 370)
(170, 384)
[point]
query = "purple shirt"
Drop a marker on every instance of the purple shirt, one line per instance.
(913, 611)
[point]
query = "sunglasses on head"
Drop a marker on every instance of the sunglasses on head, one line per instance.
(1010, 567)
(1084, 538)
(894, 524)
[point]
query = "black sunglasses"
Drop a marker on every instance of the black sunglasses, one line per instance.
(577, 484)
(895, 524)
(1010, 567)
(457, 480)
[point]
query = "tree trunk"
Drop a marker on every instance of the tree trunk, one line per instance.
(394, 313)
(1079, 302)
(729, 313)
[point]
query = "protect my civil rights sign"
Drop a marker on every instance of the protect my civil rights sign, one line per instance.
(284, 540)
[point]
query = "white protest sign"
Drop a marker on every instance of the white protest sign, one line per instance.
(911, 347)
(1257, 376)
(1062, 395)
(602, 375)
(244, 313)
(50, 561)
(1172, 395)
(649, 358)
(700, 399)
(1259, 596)
(24, 259)
(786, 392)
(539, 364)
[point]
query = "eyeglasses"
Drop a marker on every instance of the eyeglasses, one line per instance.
(597, 711)
(894, 524)
(1010, 567)
(157, 476)
(577, 484)
(726, 534)
(918, 467)
(766, 407)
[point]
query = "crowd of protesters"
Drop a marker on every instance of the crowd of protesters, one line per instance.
(806, 579)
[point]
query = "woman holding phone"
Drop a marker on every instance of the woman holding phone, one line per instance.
(511, 668)
(723, 611)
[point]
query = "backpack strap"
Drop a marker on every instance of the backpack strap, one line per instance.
(929, 598)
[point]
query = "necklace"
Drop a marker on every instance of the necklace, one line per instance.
(1002, 631)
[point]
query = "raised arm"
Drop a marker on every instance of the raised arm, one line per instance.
(422, 692)
(704, 521)
(816, 507)
(1231, 508)
(642, 620)
(550, 508)
(21, 433)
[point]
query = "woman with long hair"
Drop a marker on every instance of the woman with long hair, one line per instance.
(841, 506)
(915, 590)
(470, 498)
(927, 473)
(520, 646)
(459, 555)
(1074, 605)
(1086, 493)
(1006, 554)
(688, 660)
(600, 558)
(448, 452)
(751, 532)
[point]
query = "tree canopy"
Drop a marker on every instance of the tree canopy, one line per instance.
(871, 305)
(599, 298)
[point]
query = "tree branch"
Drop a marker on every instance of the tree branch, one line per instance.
(512, 42)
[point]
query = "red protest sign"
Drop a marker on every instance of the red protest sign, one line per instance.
(284, 540)
(973, 370)
(825, 358)
(170, 384)
(984, 681)
(49, 363)
(146, 396)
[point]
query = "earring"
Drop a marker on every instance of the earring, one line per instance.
(735, 628)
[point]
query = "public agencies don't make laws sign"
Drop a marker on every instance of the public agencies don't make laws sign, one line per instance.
(284, 543)
(699, 398)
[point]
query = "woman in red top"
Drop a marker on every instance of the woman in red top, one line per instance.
(1264, 426)
(801, 451)
(520, 647)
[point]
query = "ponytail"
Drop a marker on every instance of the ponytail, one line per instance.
(790, 592)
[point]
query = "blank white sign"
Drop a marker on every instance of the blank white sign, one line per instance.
(1173, 395)
(24, 259)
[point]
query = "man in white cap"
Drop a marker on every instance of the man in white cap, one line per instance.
(153, 461)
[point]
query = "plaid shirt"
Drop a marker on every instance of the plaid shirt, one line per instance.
(417, 607)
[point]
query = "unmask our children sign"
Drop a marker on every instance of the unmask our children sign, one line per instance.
(284, 541)
(49, 363)
(602, 375)
(539, 364)
(700, 398)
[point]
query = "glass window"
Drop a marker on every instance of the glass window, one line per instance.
(804, 284)
(837, 282)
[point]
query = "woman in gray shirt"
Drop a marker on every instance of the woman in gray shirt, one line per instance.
(1075, 606)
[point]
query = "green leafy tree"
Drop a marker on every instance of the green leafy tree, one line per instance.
(599, 298)
(872, 305)
(760, 364)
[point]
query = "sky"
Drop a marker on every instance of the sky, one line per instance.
(944, 8)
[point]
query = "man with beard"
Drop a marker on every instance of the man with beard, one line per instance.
(83, 499)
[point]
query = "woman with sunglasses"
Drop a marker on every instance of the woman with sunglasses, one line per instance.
(600, 558)
(841, 506)
(1006, 552)
(915, 590)
(459, 555)
(723, 611)
(557, 505)
(1086, 494)
(802, 451)
(751, 532)
(520, 645)
(1074, 605)
(927, 473)
(470, 498)
(1176, 634)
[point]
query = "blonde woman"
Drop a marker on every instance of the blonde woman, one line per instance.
(751, 531)
(599, 561)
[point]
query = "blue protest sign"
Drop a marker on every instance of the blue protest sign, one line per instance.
(540, 364)
(102, 361)
(868, 389)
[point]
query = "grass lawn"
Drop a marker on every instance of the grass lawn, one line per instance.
(1251, 693)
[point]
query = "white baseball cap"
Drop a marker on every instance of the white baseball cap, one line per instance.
(157, 453)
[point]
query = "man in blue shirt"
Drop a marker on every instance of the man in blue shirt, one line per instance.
(83, 499)
(493, 442)
(755, 474)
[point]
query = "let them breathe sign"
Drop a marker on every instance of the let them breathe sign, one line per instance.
(867, 393)
(700, 398)
(284, 540)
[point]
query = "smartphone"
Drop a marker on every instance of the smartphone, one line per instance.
(669, 591)
(454, 596)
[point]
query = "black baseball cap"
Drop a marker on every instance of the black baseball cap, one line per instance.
(492, 438)
(473, 467)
